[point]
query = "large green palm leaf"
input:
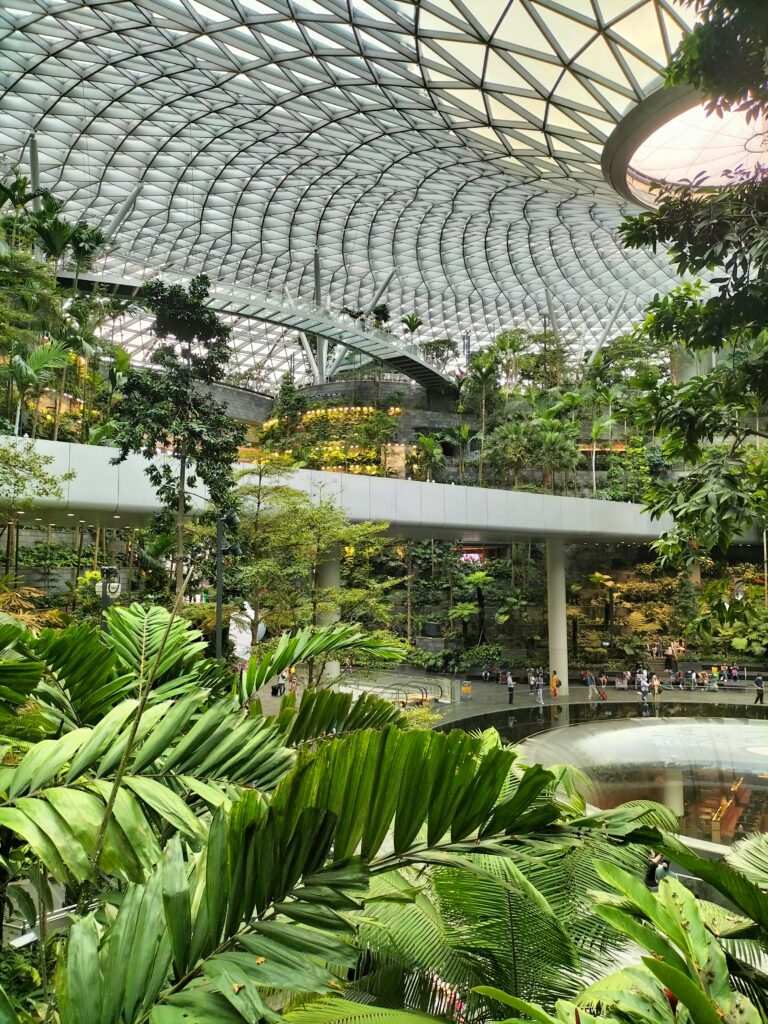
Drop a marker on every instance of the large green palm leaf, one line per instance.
(190, 752)
(352, 808)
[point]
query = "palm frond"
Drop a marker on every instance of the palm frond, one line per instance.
(341, 1011)
(311, 643)
(750, 857)
(332, 713)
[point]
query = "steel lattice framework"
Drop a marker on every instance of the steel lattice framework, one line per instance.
(456, 142)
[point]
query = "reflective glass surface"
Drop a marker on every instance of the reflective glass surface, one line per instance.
(707, 762)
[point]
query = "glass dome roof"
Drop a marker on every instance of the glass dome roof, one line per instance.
(456, 142)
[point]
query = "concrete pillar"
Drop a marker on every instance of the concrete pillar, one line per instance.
(329, 575)
(556, 612)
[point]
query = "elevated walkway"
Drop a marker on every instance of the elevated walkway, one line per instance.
(299, 315)
(107, 495)
(100, 494)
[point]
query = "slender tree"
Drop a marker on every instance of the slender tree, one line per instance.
(481, 386)
(429, 455)
(170, 407)
(461, 438)
(411, 322)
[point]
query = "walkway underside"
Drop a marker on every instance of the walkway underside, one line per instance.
(102, 494)
(302, 317)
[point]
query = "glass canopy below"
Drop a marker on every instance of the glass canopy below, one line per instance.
(713, 773)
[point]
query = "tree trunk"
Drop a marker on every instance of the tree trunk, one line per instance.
(8, 547)
(482, 439)
(409, 590)
(57, 404)
(36, 417)
(96, 548)
(77, 566)
(17, 424)
(594, 474)
(129, 567)
(180, 510)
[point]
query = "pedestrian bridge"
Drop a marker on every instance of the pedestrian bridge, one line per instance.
(301, 316)
(100, 494)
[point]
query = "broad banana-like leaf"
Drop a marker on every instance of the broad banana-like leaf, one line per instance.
(687, 960)
(740, 890)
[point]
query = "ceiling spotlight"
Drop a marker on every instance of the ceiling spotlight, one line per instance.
(115, 517)
(70, 514)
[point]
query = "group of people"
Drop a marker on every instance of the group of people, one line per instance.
(646, 683)
(287, 679)
(672, 651)
(536, 684)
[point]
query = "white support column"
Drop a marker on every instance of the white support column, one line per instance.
(556, 611)
(674, 790)
(329, 575)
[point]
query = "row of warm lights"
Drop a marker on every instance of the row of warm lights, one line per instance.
(337, 411)
(336, 446)
(360, 470)
(70, 515)
(66, 394)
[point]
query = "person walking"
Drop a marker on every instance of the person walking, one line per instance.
(655, 686)
(759, 689)
(592, 685)
(540, 687)
(602, 683)
(510, 687)
(644, 688)
(554, 683)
